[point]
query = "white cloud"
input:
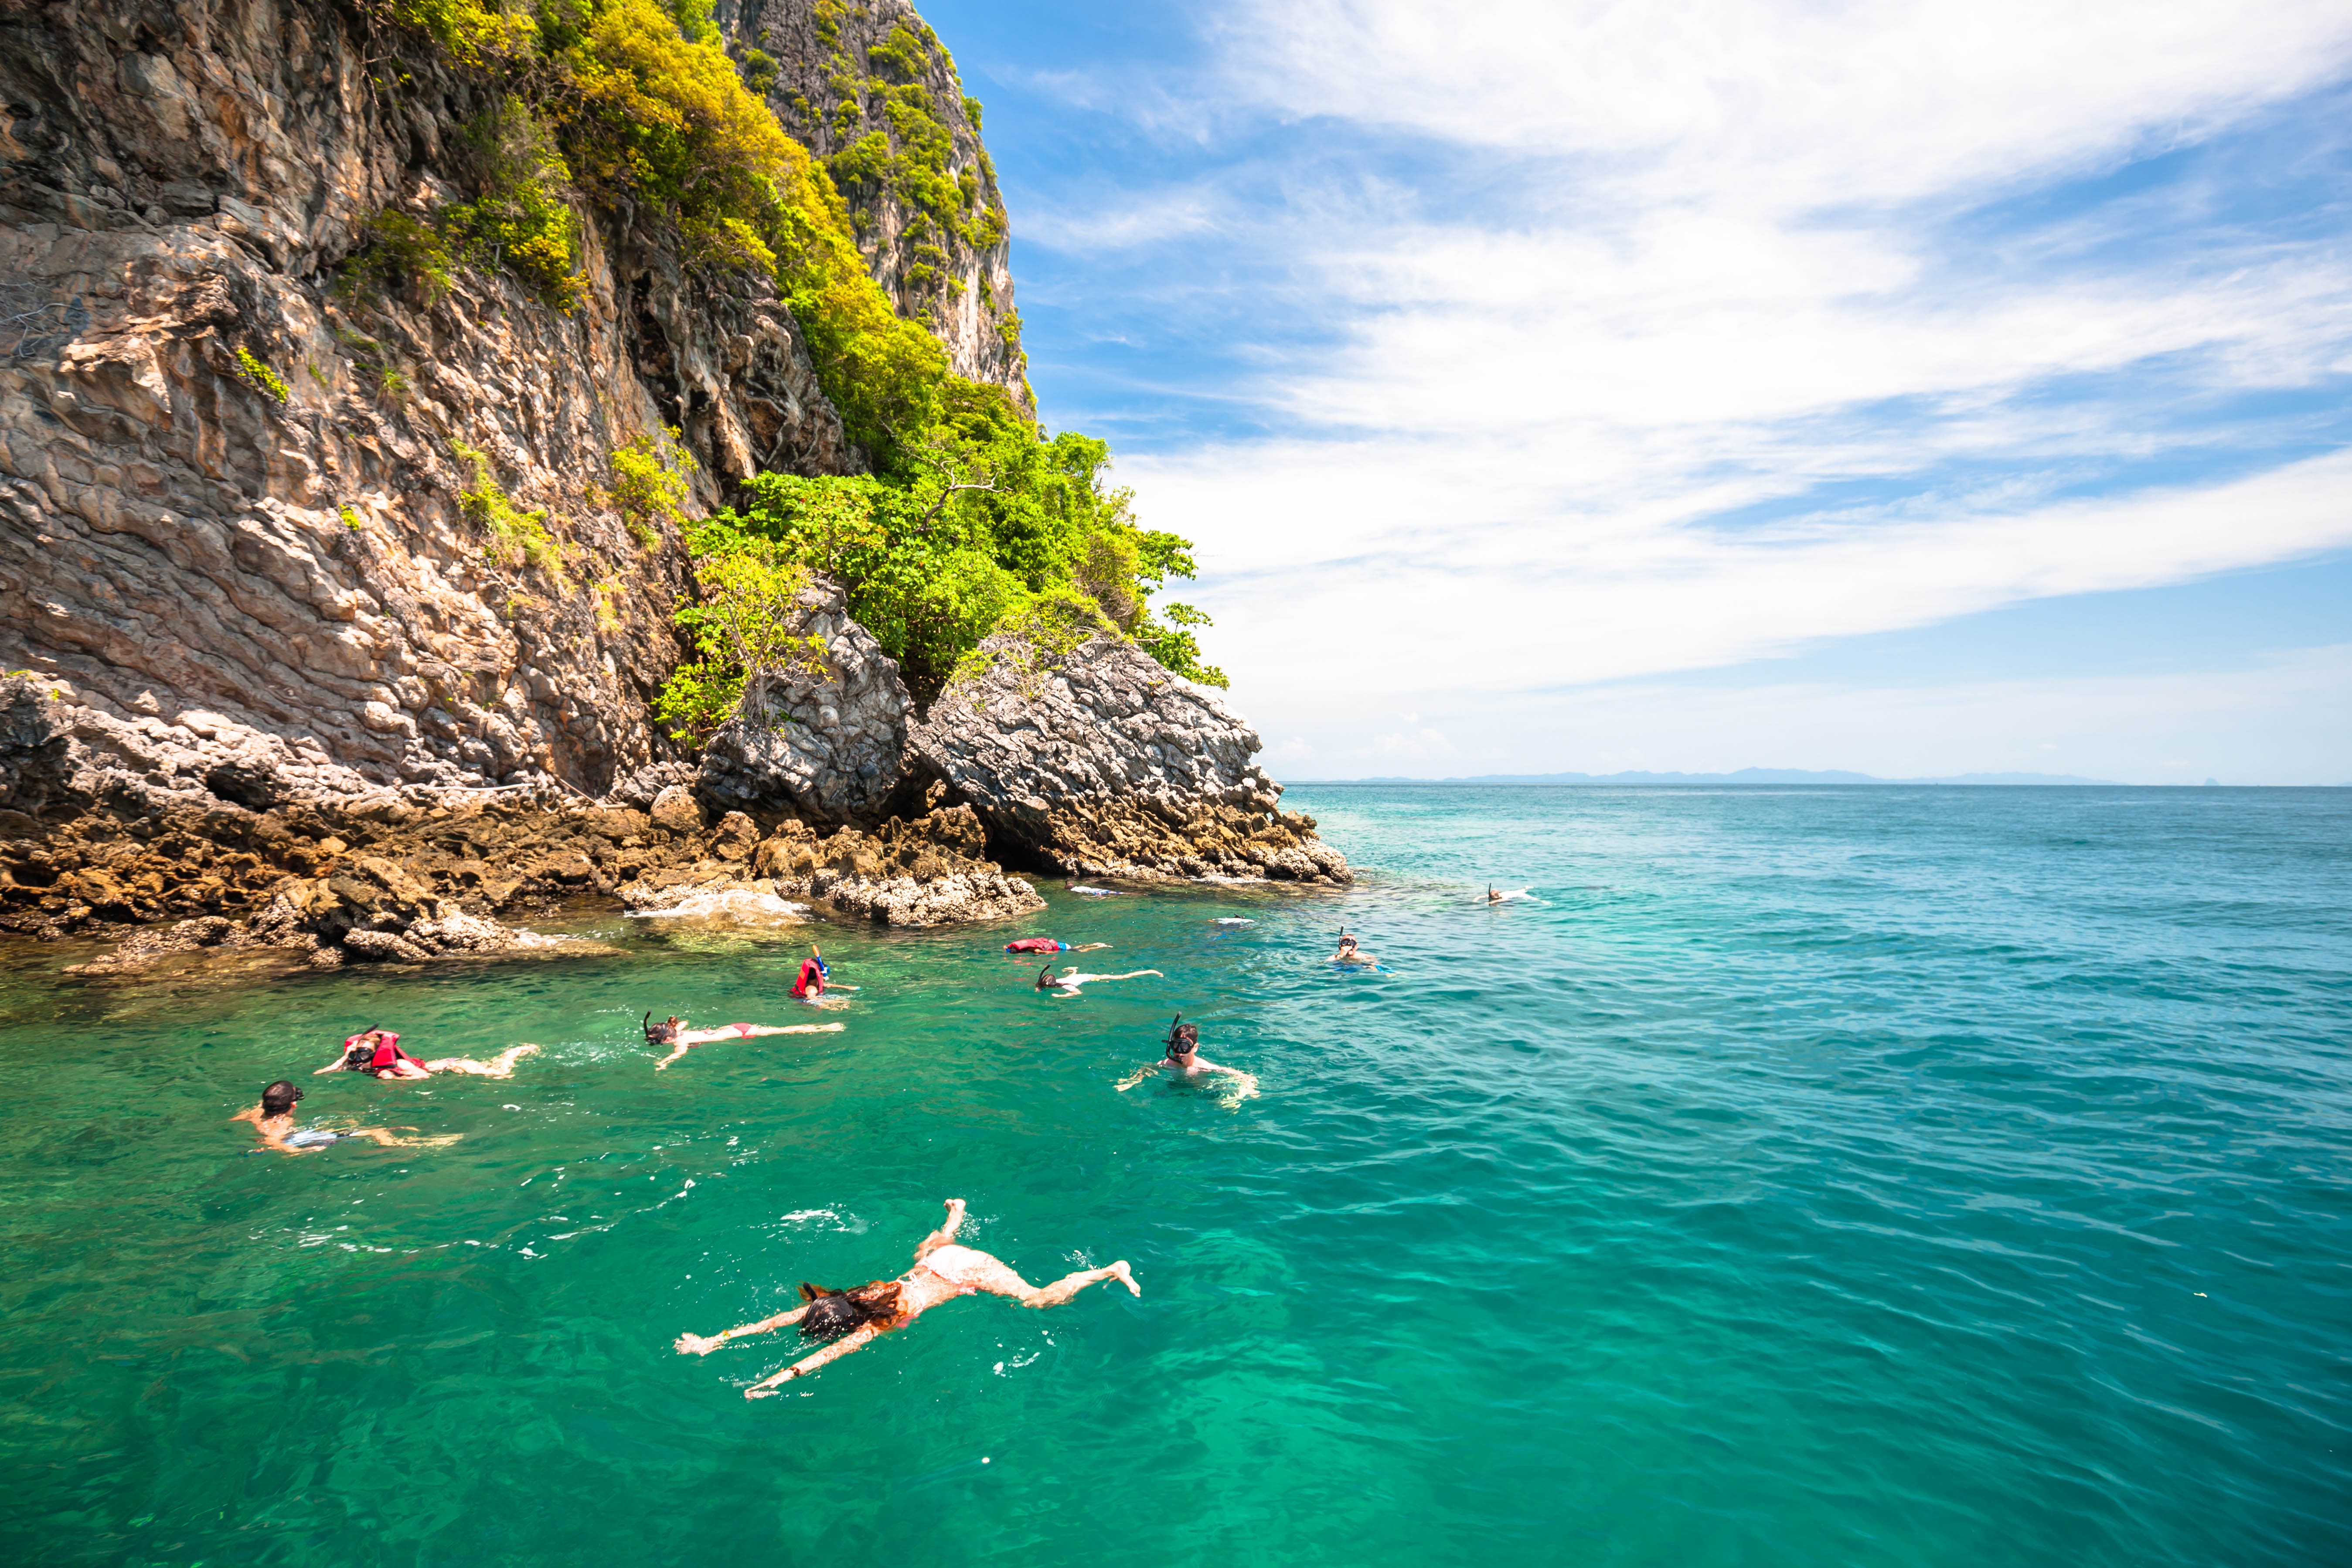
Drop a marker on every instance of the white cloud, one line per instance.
(1789, 106)
(1728, 266)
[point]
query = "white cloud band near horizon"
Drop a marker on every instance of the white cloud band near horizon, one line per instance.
(1742, 364)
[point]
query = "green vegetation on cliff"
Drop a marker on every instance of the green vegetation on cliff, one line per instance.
(973, 521)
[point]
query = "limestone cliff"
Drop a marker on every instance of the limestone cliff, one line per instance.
(868, 86)
(234, 493)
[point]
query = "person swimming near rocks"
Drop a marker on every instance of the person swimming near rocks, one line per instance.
(273, 1122)
(1092, 892)
(854, 1319)
(377, 1053)
(1067, 983)
(673, 1031)
(1047, 944)
(1350, 953)
(1184, 1057)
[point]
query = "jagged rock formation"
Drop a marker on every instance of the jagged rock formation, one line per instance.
(829, 747)
(1103, 763)
(867, 86)
(230, 501)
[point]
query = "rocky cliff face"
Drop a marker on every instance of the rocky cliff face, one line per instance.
(868, 87)
(232, 497)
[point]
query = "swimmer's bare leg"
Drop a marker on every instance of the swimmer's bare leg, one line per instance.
(751, 1029)
(1069, 1285)
(499, 1066)
(945, 1234)
(379, 1135)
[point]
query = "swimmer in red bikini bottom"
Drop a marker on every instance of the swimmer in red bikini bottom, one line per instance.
(942, 1271)
(673, 1032)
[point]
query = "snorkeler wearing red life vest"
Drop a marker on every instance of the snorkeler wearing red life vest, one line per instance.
(377, 1053)
(1047, 944)
(810, 983)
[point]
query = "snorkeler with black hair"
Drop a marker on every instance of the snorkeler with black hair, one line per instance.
(1067, 983)
(1184, 1058)
(672, 1031)
(273, 1122)
(855, 1318)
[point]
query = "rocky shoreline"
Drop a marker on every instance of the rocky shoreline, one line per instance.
(99, 841)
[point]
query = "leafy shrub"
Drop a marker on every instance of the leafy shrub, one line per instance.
(517, 537)
(523, 219)
(759, 71)
(262, 379)
(650, 484)
(741, 630)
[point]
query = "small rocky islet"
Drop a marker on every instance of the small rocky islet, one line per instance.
(330, 619)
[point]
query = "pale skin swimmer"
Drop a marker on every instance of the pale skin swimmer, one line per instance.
(673, 1032)
(1350, 953)
(1184, 1058)
(377, 1053)
(854, 1319)
(273, 1124)
(1067, 983)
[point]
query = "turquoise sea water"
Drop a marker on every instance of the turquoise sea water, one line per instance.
(1869, 1176)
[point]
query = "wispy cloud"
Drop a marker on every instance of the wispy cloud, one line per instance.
(1601, 341)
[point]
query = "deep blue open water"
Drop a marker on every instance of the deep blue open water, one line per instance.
(1825, 1176)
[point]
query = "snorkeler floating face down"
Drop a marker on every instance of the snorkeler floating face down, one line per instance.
(944, 1270)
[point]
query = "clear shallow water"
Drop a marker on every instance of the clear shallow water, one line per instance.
(1814, 1176)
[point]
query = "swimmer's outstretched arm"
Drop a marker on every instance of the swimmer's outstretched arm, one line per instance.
(1138, 1076)
(703, 1344)
(335, 1066)
(856, 1340)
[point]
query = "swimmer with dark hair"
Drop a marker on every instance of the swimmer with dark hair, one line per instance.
(673, 1032)
(273, 1122)
(855, 1318)
(1067, 983)
(1184, 1058)
(377, 1053)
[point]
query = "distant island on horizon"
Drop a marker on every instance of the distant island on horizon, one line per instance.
(1745, 775)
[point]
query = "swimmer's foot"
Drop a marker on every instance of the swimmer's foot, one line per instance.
(1126, 1276)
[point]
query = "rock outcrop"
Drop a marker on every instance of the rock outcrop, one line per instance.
(927, 871)
(1101, 763)
(829, 747)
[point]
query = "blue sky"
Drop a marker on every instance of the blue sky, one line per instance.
(1917, 389)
